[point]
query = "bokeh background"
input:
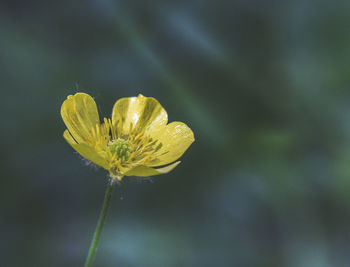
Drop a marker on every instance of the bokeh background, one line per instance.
(263, 84)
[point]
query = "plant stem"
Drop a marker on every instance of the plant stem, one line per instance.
(106, 203)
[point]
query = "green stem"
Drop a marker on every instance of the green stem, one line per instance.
(106, 203)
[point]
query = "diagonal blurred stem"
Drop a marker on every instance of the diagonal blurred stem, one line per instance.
(94, 243)
(217, 132)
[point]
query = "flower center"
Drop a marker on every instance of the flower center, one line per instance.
(121, 148)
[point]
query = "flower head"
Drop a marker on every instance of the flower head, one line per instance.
(135, 140)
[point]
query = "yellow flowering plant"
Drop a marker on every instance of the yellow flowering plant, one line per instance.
(136, 141)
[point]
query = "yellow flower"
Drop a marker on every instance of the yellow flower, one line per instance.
(133, 142)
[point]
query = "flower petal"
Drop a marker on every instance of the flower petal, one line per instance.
(142, 113)
(144, 171)
(79, 113)
(86, 151)
(176, 137)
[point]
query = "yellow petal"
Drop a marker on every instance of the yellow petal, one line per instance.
(144, 171)
(143, 113)
(86, 151)
(176, 137)
(79, 113)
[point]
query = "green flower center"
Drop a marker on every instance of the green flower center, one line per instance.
(121, 148)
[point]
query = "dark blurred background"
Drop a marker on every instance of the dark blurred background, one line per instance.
(263, 84)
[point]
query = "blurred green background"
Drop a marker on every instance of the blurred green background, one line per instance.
(263, 84)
